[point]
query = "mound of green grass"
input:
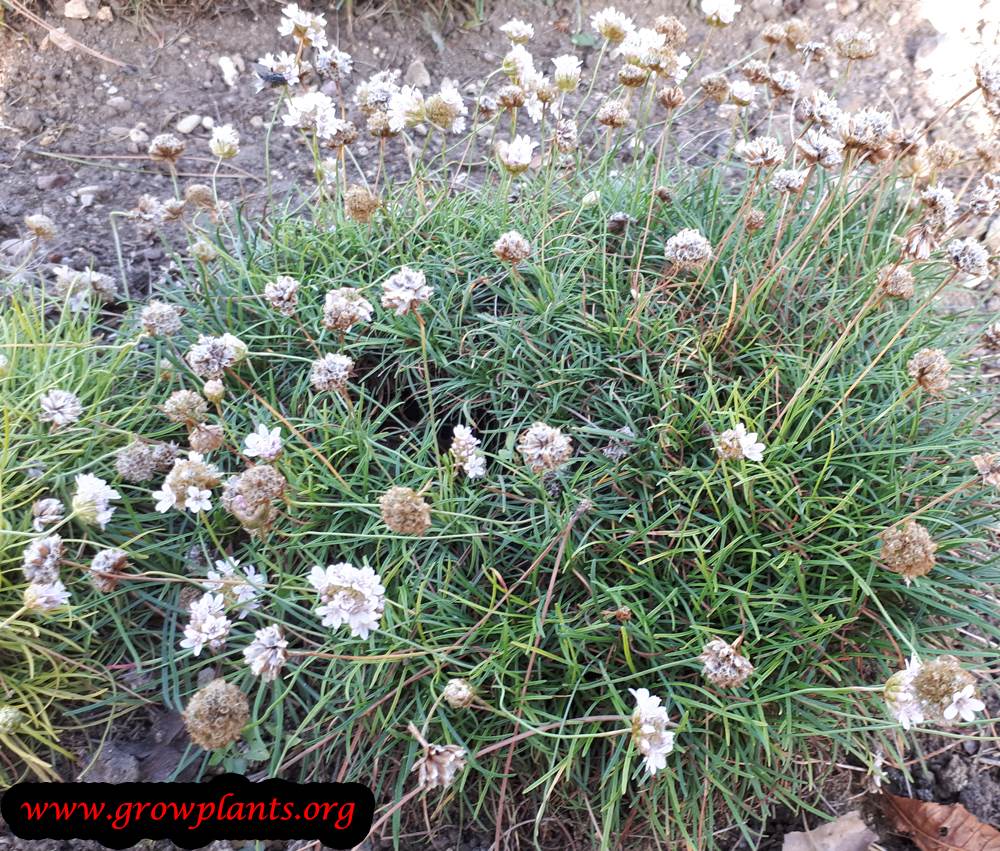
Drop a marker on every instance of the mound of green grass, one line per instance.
(552, 595)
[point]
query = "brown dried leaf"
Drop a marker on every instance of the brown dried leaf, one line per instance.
(940, 827)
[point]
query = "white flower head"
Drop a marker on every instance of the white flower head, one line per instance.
(465, 450)
(406, 108)
(241, 585)
(899, 695)
(313, 111)
(518, 31)
(349, 595)
(267, 653)
(649, 730)
(737, 442)
(46, 512)
(225, 141)
(283, 64)
(406, 290)
(308, 29)
(92, 501)
(612, 24)
(641, 47)
(197, 499)
(566, 75)
(516, 155)
(742, 93)
(333, 63)
(208, 625)
(59, 407)
(964, 704)
(519, 65)
(446, 110)
(263, 443)
(46, 596)
(720, 12)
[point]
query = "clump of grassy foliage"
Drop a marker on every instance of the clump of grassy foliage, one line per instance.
(554, 595)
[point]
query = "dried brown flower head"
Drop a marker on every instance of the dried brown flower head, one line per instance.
(613, 113)
(853, 44)
(544, 448)
(345, 308)
(104, 567)
(671, 97)
(762, 152)
(200, 195)
(688, 249)
(206, 438)
(216, 715)
(360, 204)
(969, 256)
(282, 294)
(40, 226)
(438, 766)
(249, 497)
(930, 368)
(716, 87)
(755, 219)
(160, 319)
(773, 33)
(185, 406)
(783, 82)
(908, 549)
(405, 511)
(991, 337)
(919, 241)
(937, 681)
(796, 33)
(756, 72)
(632, 76)
(943, 155)
(673, 31)
(378, 125)
(166, 148)
(331, 372)
(566, 137)
(511, 96)
(896, 282)
(988, 466)
(139, 461)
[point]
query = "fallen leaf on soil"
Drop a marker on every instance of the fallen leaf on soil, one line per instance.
(940, 827)
(847, 833)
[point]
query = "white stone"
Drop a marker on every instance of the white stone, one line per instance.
(187, 124)
(230, 72)
(76, 9)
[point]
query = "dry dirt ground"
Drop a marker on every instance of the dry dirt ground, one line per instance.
(73, 127)
(73, 130)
